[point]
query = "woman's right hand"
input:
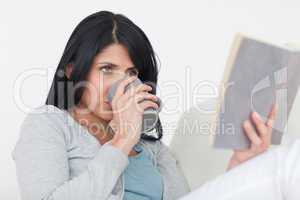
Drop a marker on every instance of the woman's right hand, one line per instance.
(128, 113)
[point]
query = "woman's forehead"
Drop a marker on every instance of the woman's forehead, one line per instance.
(115, 54)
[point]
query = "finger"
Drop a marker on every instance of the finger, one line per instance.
(260, 125)
(140, 88)
(123, 84)
(251, 133)
(271, 117)
(147, 104)
(143, 96)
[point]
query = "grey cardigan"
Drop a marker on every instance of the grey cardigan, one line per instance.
(58, 159)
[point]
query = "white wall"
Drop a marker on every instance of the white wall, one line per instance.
(192, 39)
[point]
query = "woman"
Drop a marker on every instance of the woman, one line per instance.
(81, 146)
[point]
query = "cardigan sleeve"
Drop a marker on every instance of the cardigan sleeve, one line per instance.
(175, 182)
(42, 169)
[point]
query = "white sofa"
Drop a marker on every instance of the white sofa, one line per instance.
(199, 161)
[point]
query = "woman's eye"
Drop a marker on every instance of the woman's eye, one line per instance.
(106, 69)
(133, 72)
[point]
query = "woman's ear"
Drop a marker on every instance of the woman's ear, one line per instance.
(69, 69)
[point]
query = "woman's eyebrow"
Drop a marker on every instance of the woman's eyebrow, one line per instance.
(115, 65)
(108, 63)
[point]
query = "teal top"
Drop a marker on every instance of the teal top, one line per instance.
(142, 180)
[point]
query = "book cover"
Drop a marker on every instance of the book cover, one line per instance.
(257, 75)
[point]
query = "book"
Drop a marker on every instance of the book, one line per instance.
(257, 75)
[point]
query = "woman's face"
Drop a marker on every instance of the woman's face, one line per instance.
(109, 66)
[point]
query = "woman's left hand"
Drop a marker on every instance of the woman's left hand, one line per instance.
(260, 137)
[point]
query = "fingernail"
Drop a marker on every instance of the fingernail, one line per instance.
(257, 115)
(270, 123)
(246, 123)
